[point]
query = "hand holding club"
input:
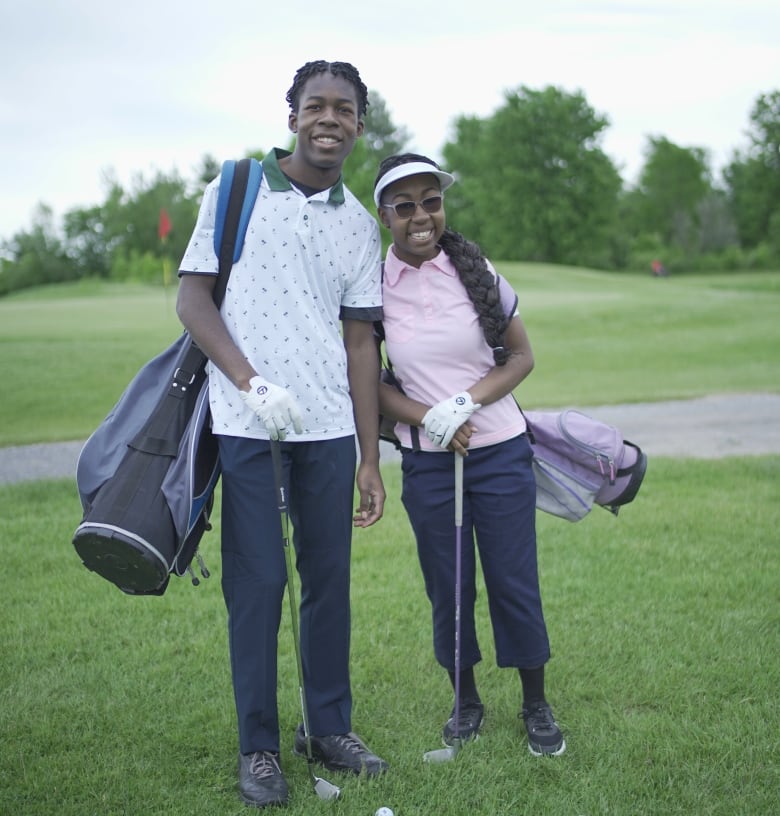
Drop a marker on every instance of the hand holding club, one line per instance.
(444, 418)
(274, 406)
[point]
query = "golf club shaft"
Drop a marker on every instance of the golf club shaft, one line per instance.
(458, 567)
(453, 748)
(276, 455)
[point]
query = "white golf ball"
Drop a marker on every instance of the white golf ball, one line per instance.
(384, 811)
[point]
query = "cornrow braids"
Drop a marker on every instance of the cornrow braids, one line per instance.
(482, 289)
(339, 69)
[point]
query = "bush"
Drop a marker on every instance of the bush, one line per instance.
(140, 267)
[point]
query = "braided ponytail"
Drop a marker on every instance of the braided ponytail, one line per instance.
(482, 289)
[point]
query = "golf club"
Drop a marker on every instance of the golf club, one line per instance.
(451, 751)
(324, 789)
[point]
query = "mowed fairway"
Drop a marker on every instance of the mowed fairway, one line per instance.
(597, 338)
(664, 621)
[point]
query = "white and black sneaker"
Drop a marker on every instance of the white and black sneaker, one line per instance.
(470, 719)
(544, 736)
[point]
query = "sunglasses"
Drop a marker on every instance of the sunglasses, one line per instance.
(406, 209)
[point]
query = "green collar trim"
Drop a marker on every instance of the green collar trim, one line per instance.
(278, 182)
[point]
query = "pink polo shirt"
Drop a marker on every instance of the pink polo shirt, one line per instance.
(437, 347)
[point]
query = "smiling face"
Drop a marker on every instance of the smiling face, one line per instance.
(327, 125)
(415, 239)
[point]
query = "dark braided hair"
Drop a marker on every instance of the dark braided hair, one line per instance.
(339, 69)
(472, 268)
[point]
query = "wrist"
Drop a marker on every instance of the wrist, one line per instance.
(244, 381)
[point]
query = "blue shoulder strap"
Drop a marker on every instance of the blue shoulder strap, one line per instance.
(225, 186)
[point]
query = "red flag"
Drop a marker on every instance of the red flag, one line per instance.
(165, 224)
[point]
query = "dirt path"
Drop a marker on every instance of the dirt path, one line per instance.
(706, 428)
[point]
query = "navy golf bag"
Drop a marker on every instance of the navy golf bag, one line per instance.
(146, 476)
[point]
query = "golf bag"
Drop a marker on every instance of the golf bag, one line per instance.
(580, 461)
(146, 476)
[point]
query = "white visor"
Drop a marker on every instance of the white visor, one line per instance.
(411, 169)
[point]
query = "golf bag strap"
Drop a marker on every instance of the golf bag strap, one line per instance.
(155, 437)
(236, 200)
(384, 361)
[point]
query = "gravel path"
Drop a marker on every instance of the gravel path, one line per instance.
(706, 428)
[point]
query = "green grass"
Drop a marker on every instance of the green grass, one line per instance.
(664, 625)
(664, 622)
(66, 353)
(607, 338)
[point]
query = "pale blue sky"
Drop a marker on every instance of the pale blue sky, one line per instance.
(88, 86)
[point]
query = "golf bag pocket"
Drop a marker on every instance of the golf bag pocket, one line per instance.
(580, 461)
(146, 477)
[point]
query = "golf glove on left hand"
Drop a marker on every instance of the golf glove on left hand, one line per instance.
(444, 418)
(274, 406)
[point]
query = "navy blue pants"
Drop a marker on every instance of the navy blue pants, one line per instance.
(499, 506)
(319, 478)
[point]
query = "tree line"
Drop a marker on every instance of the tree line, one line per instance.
(534, 185)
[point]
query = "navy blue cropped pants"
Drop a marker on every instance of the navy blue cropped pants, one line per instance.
(319, 478)
(499, 507)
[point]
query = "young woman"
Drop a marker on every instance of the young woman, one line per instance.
(458, 348)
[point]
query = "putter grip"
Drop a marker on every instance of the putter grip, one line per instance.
(276, 457)
(458, 490)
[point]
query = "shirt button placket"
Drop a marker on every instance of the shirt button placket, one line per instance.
(427, 300)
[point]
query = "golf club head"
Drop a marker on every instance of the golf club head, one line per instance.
(326, 790)
(443, 754)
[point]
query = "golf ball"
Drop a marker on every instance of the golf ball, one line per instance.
(384, 811)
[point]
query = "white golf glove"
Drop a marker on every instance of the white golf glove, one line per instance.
(274, 406)
(444, 418)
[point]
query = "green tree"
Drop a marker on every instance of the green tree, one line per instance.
(717, 229)
(208, 170)
(534, 183)
(753, 178)
(89, 244)
(36, 257)
(110, 239)
(672, 186)
(381, 138)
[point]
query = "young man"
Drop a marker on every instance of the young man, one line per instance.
(280, 370)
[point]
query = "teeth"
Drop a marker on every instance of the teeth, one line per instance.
(327, 139)
(421, 236)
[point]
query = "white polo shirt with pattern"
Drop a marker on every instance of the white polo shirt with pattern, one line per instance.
(307, 263)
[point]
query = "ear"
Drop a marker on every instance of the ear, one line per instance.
(360, 127)
(292, 122)
(383, 216)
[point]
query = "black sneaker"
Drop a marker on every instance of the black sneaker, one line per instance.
(544, 736)
(341, 752)
(260, 779)
(469, 722)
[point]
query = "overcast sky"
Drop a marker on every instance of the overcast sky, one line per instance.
(89, 87)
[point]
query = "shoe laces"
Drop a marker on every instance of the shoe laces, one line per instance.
(467, 712)
(349, 743)
(264, 765)
(540, 718)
